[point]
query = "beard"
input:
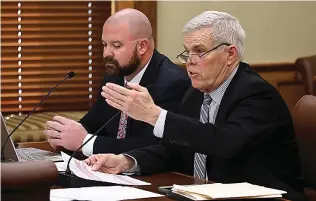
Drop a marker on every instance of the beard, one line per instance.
(113, 67)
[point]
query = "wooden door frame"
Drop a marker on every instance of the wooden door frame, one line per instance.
(149, 8)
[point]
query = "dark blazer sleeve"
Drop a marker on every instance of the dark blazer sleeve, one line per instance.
(158, 158)
(91, 121)
(252, 119)
(168, 98)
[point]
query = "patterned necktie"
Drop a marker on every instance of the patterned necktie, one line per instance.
(122, 126)
(121, 132)
(200, 159)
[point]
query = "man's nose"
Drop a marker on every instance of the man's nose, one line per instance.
(107, 52)
(191, 61)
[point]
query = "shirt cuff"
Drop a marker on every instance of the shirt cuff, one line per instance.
(135, 169)
(160, 124)
(87, 149)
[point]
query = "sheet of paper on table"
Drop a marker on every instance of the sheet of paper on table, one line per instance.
(82, 170)
(100, 193)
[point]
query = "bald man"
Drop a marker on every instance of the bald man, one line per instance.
(129, 56)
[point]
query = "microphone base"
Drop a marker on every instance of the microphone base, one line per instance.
(72, 181)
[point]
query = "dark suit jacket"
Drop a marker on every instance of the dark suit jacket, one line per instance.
(166, 83)
(252, 139)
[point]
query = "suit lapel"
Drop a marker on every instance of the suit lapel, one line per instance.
(192, 102)
(149, 76)
(226, 102)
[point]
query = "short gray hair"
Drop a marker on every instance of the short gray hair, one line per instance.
(224, 29)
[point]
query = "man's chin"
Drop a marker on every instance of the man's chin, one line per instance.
(198, 85)
(110, 66)
(195, 84)
(111, 70)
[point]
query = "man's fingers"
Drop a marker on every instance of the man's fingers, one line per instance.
(54, 142)
(97, 165)
(87, 161)
(113, 99)
(136, 87)
(61, 119)
(101, 160)
(51, 133)
(117, 88)
(54, 125)
(114, 93)
(91, 160)
(115, 105)
(97, 156)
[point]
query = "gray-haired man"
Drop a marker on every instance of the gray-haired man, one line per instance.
(233, 126)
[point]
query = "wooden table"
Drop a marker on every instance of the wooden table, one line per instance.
(157, 180)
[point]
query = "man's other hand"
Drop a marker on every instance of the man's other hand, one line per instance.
(66, 133)
(135, 101)
(110, 163)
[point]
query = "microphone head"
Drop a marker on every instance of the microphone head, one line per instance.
(70, 74)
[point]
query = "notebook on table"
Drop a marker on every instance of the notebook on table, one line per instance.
(219, 191)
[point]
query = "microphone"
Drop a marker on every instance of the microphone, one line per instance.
(68, 76)
(68, 172)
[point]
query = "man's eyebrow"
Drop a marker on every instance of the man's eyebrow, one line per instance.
(196, 46)
(116, 41)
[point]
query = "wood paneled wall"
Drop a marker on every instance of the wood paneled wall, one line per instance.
(285, 78)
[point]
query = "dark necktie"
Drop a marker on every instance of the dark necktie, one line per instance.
(200, 159)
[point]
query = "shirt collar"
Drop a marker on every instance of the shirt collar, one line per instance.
(218, 93)
(138, 77)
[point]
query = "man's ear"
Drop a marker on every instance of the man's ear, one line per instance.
(232, 54)
(143, 46)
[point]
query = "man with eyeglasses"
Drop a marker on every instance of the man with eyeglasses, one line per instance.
(233, 126)
(129, 56)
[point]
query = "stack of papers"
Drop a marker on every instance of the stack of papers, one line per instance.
(226, 191)
(82, 170)
(100, 193)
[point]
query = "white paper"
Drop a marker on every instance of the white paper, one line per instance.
(235, 190)
(82, 170)
(98, 193)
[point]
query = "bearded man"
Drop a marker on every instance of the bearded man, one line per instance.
(129, 57)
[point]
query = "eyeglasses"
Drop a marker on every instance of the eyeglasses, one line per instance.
(196, 58)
